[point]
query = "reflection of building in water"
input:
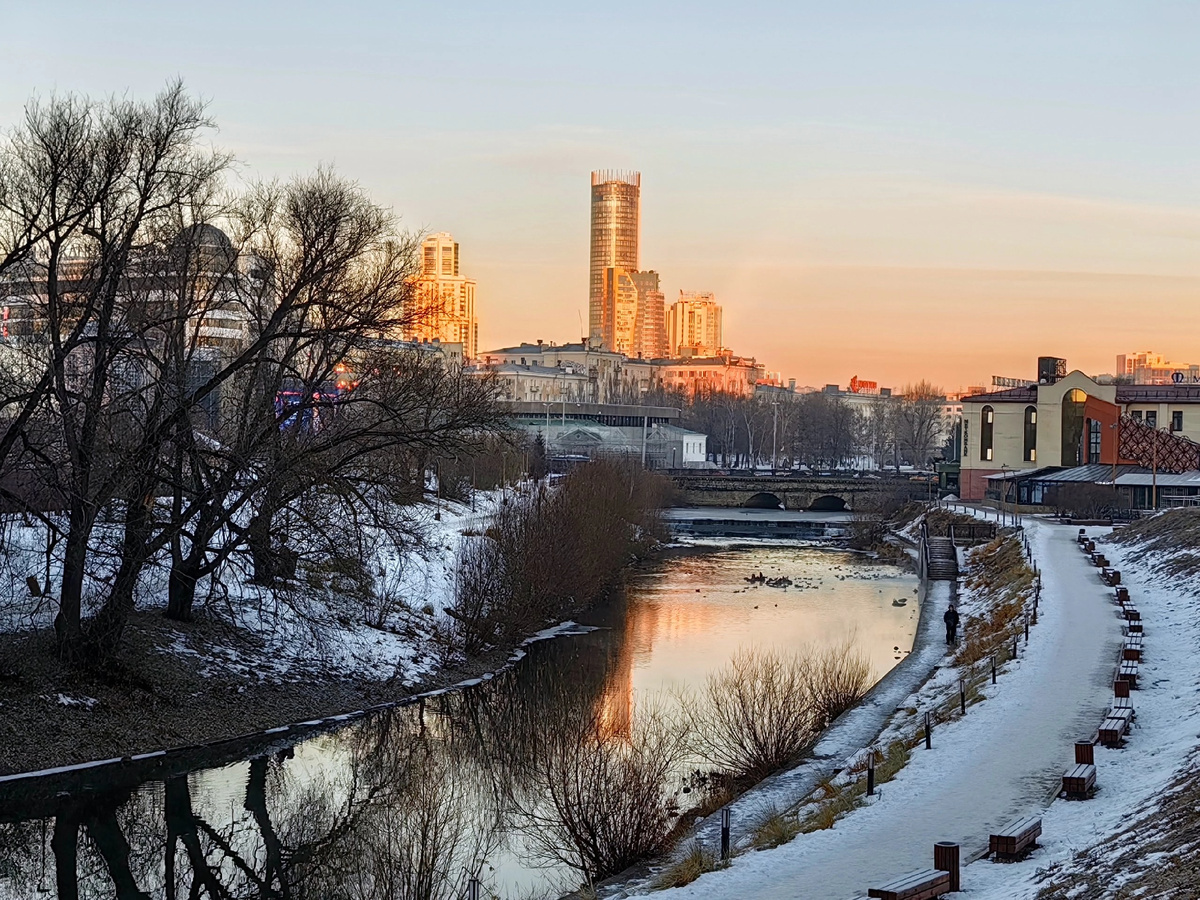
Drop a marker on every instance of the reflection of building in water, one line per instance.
(647, 623)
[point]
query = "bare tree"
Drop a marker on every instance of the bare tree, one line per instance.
(919, 422)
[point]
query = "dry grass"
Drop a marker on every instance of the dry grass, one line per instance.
(774, 827)
(1156, 856)
(694, 863)
(1168, 538)
(1003, 580)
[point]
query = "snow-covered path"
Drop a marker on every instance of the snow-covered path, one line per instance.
(1004, 759)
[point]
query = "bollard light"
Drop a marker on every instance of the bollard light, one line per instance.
(725, 835)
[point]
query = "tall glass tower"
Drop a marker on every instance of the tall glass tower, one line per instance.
(616, 198)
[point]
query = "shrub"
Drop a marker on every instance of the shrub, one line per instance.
(762, 710)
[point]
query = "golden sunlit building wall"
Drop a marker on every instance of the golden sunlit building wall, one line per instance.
(616, 202)
(447, 295)
(694, 326)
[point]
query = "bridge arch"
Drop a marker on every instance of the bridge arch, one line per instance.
(828, 503)
(763, 500)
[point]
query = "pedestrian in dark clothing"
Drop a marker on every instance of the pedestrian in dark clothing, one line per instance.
(951, 620)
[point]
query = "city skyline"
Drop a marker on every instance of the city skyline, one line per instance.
(891, 193)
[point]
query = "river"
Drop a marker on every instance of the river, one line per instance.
(403, 803)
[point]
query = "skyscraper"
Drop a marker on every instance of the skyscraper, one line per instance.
(616, 199)
(650, 342)
(694, 325)
(447, 296)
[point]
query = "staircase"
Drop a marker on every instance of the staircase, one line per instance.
(941, 563)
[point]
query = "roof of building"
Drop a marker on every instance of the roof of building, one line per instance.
(1094, 473)
(1126, 393)
(1009, 395)
(1147, 479)
(1158, 393)
(1018, 474)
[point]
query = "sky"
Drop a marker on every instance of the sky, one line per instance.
(940, 190)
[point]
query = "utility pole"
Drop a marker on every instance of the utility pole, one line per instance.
(774, 432)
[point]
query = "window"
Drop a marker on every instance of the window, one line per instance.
(987, 424)
(1136, 415)
(1177, 420)
(1152, 418)
(1030, 434)
(1093, 441)
(1073, 403)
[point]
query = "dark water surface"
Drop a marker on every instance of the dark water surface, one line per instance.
(408, 802)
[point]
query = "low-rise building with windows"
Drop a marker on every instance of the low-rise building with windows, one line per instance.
(1073, 421)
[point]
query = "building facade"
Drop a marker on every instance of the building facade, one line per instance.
(726, 374)
(1147, 367)
(446, 297)
(650, 341)
(616, 206)
(694, 326)
(1076, 421)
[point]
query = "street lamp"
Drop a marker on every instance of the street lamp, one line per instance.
(1003, 490)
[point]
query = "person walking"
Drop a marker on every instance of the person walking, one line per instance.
(951, 620)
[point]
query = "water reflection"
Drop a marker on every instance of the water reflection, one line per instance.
(413, 802)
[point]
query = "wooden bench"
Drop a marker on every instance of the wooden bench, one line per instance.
(1135, 626)
(1112, 730)
(1100, 560)
(1015, 839)
(1131, 651)
(1132, 614)
(1128, 672)
(1079, 781)
(1123, 703)
(1122, 594)
(1114, 577)
(914, 886)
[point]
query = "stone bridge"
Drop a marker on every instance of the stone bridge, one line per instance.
(825, 493)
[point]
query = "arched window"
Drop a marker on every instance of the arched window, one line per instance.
(987, 424)
(1031, 434)
(1072, 427)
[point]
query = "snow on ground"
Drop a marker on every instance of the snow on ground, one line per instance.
(1002, 760)
(341, 634)
(1164, 737)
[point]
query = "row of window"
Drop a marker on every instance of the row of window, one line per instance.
(987, 430)
(987, 422)
(1150, 417)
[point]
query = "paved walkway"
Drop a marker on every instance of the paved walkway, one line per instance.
(1004, 759)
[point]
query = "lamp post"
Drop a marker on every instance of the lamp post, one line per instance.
(1004, 490)
(774, 432)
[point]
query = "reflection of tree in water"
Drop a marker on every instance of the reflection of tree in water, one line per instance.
(405, 804)
(385, 819)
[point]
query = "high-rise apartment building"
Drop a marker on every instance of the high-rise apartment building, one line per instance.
(1147, 367)
(650, 341)
(694, 326)
(619, 299)
(446, 296)
(616, 198)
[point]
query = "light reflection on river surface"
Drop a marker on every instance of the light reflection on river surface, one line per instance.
(339, 814)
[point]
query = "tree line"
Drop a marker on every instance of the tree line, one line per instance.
(817, 430)
(198, 371)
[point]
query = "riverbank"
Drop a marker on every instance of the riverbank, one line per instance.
(154, 697)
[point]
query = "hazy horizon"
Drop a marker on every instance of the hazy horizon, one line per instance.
(938, 190)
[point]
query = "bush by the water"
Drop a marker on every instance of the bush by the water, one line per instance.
(765, 707)
(555, 551)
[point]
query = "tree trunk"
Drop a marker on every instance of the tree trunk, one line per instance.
(181, 589)
(262, 554)
(104, 632)
(68, 623)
